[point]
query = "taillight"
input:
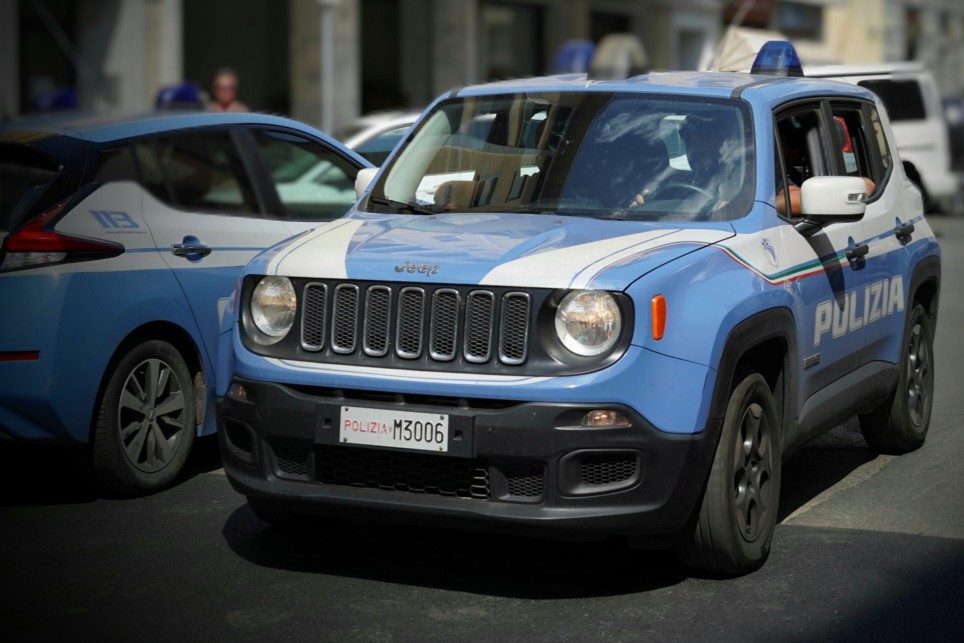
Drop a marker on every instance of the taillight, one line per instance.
(34, 244)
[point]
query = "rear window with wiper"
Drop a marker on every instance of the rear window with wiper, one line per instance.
(25, 175)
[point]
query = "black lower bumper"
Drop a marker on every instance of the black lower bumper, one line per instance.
(513, 466)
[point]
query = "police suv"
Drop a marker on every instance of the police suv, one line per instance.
(595, 307)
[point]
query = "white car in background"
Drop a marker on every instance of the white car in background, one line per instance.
(375, 135)
(914, 105)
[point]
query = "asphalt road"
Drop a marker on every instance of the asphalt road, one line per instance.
(870, 547)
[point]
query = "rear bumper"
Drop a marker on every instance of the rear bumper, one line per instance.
(526, 467)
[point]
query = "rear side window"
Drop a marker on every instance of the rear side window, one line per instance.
(852, 145)
(114, 164)
(883, 151)
(197, 171)
(902, 98)
(25, 175)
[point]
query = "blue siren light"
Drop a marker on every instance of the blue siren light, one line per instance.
(777, 58)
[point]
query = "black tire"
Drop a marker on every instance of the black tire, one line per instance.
(731, 530)
(900, 424)
(145, 422)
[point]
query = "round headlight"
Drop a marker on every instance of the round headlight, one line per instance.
(588, 322)
(273, 305)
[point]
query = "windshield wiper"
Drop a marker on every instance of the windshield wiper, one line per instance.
(402, 205)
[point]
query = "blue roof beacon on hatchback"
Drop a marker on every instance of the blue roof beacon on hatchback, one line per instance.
(120, 243)
(593, 307)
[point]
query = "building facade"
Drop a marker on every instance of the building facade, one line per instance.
(383, 54)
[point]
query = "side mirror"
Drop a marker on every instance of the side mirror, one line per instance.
(831, 199)
(363, 179)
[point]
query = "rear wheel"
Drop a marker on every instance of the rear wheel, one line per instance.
(900, 424)
(145, 422)
(731, 531)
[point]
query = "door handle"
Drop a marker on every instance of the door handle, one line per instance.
(903, 231)
(857, 252)
(192, 250)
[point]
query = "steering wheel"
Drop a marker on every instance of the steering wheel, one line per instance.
(686, 186)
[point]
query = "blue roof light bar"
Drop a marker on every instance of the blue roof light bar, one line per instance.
(777, 58)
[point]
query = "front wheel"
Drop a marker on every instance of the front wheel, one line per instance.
(900, 424)
(145, 422)
(731, 531)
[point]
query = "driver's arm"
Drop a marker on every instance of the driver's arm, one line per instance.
(639, 199)
(794, 193)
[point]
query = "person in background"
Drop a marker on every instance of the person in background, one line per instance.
(224, 89)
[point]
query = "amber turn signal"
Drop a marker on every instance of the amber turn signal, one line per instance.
(658, 316)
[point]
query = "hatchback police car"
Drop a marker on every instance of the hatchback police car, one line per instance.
(121, 243)
(605, 307)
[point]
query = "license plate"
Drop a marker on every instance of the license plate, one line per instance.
(397, 429)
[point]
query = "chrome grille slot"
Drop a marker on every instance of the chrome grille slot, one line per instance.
(411, 321)
(479, 311)
(344, 319)
(514, 328)
(313, 316)
(445, 324)
(378, 317)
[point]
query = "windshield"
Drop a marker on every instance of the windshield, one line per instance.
(624, 156)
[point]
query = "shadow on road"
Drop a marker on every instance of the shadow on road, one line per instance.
(822, 463)
(465, 561)
(47, 475)
(510, 566)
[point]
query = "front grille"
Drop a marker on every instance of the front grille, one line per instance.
(378, 320)
(514, 333)
(445, 324)
(313, 321)
(419, 473)
(478, 326)
(344, 319)
(411, 322)
(291, 458)
(524, 479)
(399, 325)
(607, 469)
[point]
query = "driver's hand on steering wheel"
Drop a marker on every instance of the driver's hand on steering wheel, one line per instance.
(640, 198)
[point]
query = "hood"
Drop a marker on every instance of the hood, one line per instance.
(524, 250)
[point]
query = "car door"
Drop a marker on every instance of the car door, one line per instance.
(206, 214)
(887, 229)
(829, 289)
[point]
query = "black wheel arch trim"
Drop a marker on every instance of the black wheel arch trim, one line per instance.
(773, 323)
(927, 269)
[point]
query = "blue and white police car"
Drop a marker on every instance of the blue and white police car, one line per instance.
(121, 244)
(606, 307)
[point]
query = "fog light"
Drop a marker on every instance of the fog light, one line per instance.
(238, 392)
(604, 418)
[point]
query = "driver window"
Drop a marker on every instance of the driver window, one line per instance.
(798, 136)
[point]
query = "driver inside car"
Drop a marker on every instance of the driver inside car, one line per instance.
(710, 144)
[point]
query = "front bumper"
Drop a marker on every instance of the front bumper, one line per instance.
(515, 466)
